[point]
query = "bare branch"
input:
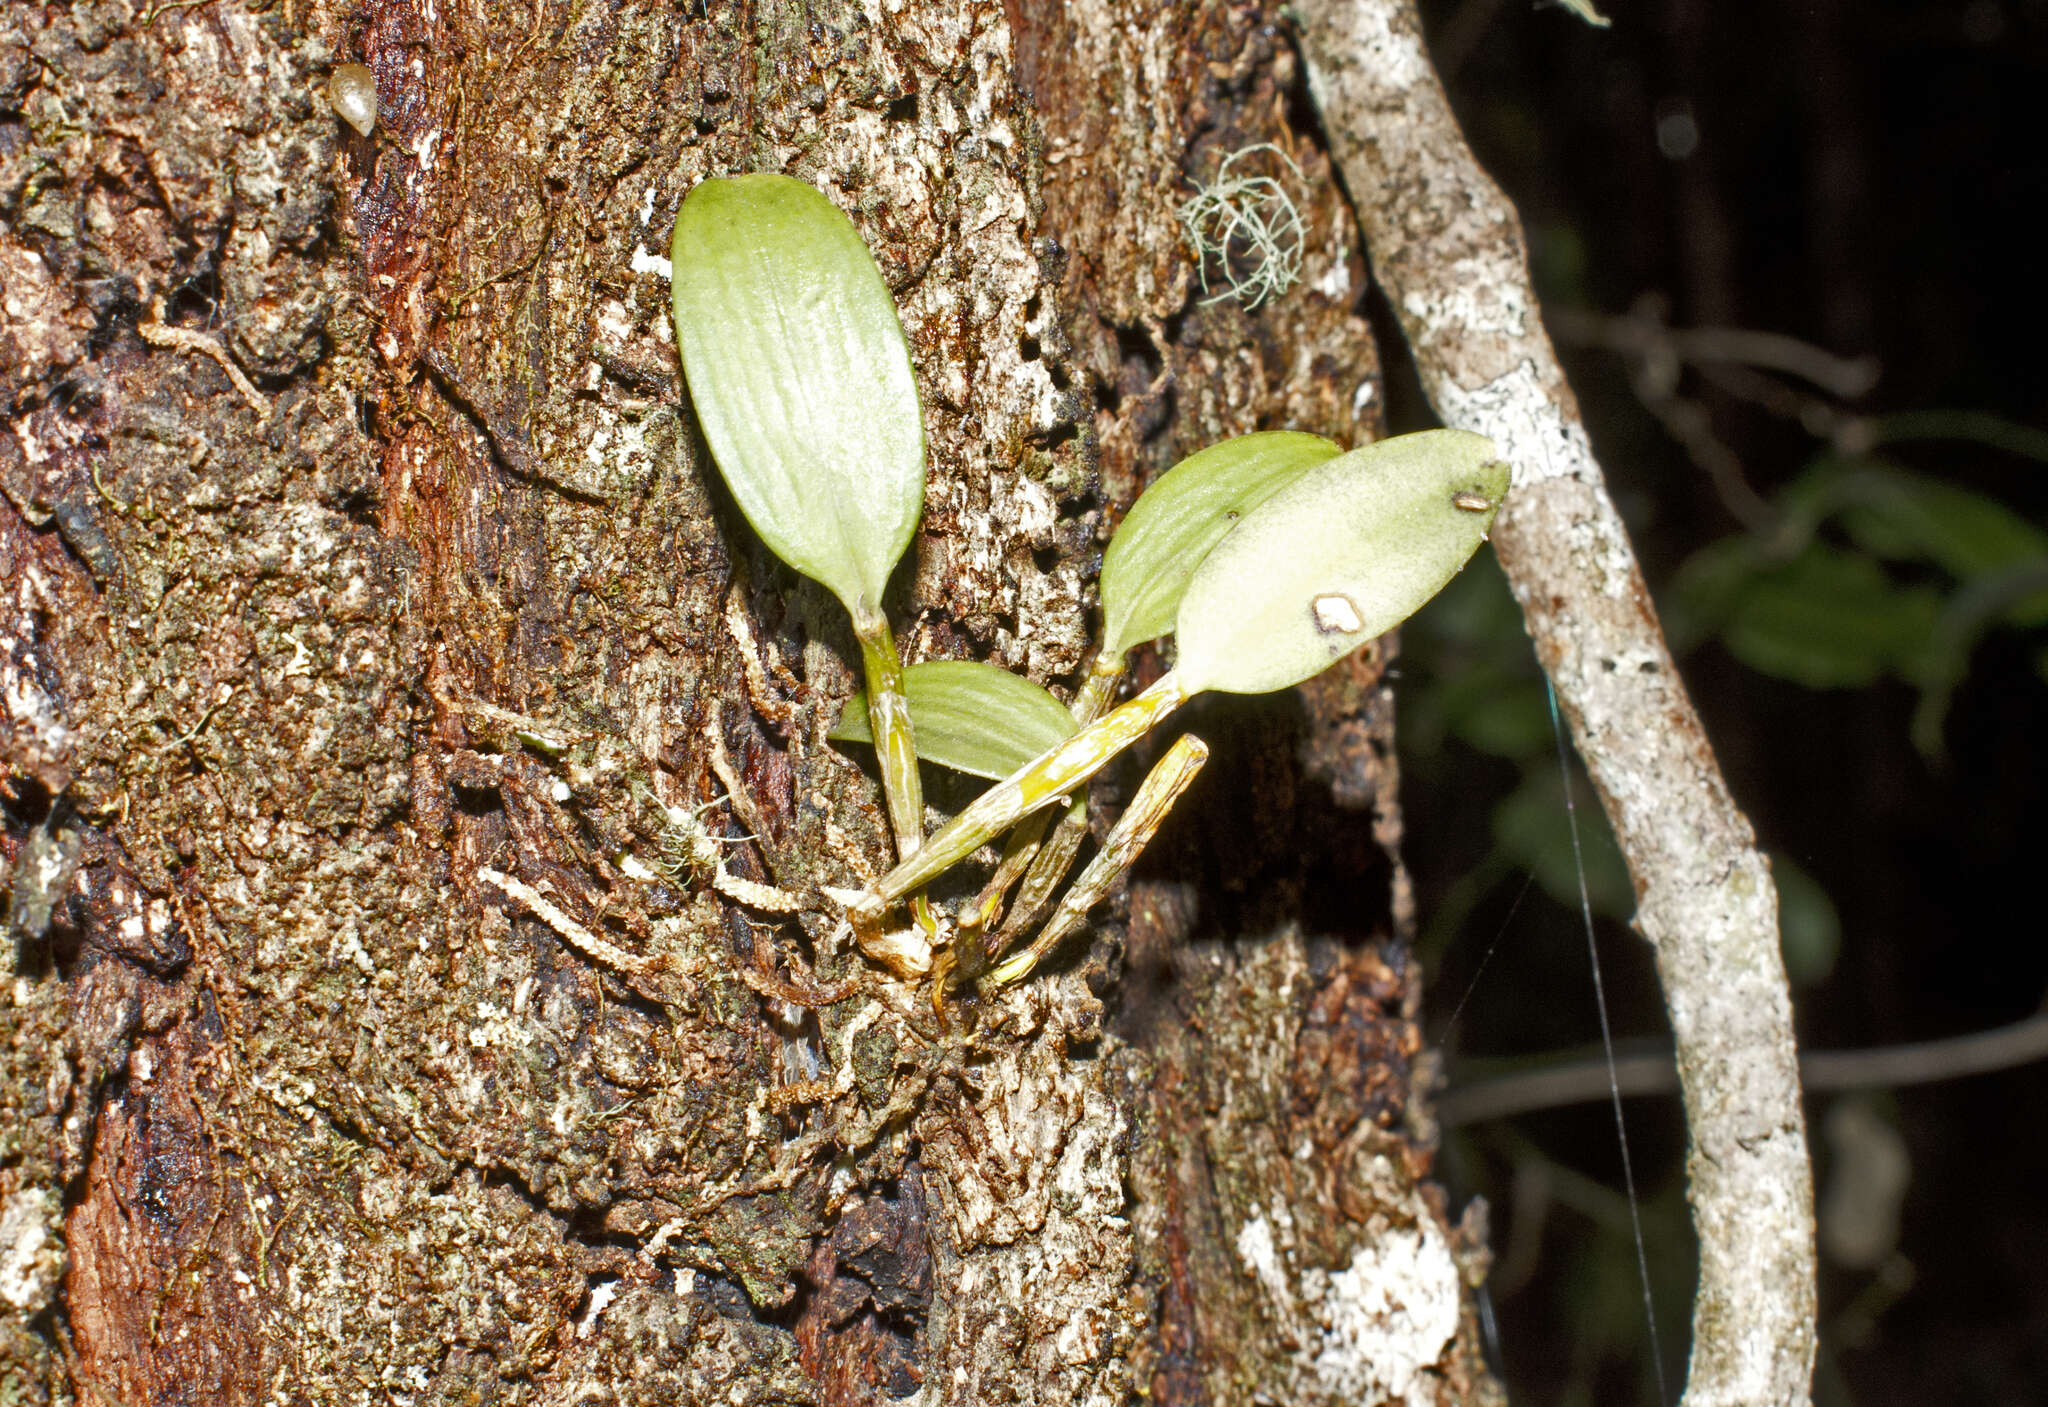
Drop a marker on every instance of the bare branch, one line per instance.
(1448, 249)
(1651, 1072)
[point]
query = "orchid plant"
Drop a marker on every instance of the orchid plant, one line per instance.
(1266, 558)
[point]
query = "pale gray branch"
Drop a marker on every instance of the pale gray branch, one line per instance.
(1652, 1072)
(1643, 332)
(1448, 249)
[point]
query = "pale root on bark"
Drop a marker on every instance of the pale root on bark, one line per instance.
(1448, 249)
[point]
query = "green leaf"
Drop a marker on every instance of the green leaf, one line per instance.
(1908, 517)
(1830, 619)
(801, 379)
(1531, 829)
(1506, 716)
(971, 717)
(1966, 426)
(1473, 677)
(1344, 553)
(1707, 588)
(1809, 929)
(1184, 514)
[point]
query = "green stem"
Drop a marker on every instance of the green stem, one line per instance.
(1098, 688)
(971, 952)
(1022, 848)
(1037, 783)
(1018, 852)
(889, 720)
(1042, 880)
(1139, 823)
(1050, 867)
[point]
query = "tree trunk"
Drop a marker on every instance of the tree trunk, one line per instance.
(378, 725)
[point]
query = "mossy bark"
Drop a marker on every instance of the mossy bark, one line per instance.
(379, 737)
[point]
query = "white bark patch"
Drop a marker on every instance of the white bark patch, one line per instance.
(1519, 416)
(1260, 1256)
(1481, 295)
(1335, 282)
(1372, 1330)
(32, 710)
(38, 323)
(1393, 54)
(1387, 1317)
(31, 1256)
(601, 1295)
(645, 263)
(1539, 443)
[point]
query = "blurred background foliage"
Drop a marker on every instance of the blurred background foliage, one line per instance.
(1791, 256)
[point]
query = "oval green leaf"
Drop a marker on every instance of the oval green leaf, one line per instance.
(1344, 553)
(801, 378)
(1184, 514)
(971, 717)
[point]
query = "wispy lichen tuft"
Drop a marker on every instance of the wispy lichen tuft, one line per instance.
(1248, 227)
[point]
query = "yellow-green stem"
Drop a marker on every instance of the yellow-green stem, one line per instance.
(1037, 783)
(889, 720)
(1042, 880)
(970, 953)
(1098, 688)
(1018, 852)
(1049, 866)
(1140, 821)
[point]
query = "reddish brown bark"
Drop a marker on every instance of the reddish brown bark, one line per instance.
(341, 689)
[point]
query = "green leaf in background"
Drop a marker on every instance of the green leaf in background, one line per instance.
(1469, 672)
(801, 378)
(1705, 590)
(1908, 517)
(1184, 514)
(1342, 554)
(1503, 714)
(1809, 929)
(1531, 832)
(972, 717)
(1830, 619)
(1790, 604)
(1475, 611)
(1980, 427)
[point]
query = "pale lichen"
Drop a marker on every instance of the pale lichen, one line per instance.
(1248, 227)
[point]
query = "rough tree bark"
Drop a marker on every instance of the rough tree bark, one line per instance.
(369, 1036)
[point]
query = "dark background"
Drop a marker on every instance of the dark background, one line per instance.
(1866, 178)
